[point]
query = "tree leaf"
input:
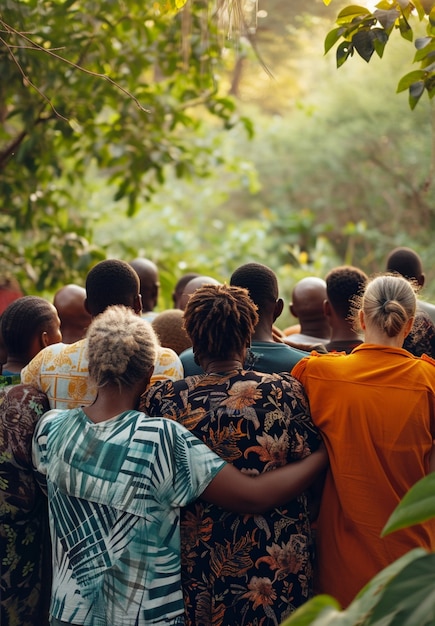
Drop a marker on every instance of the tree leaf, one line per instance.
(348, 14)
(344, 50)
(422, 42)
(380, 39)
(323, 607)
(332, 37)
(418, 505)
(407, 80)
(405, 29)
(409, 599)
(387, 17)
(363, 43)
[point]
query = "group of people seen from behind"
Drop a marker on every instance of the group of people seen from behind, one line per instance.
(200, 465)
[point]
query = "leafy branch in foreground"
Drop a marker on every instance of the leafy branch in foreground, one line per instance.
(365, 32)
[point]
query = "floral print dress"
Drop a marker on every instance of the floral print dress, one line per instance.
(243, 569)
(24, 533)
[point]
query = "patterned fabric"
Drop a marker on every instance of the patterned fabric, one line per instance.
(114, 491)
(421, 339)
(61, 371)
(24, 536)
(243, 569)
(376, 410)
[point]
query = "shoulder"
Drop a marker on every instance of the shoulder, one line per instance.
(166, 356)
(427, 359)
(158, 428)
(26, 395)
(317, 359)
(168, 366)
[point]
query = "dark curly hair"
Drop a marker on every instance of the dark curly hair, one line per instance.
(344, 284)
(220, 320)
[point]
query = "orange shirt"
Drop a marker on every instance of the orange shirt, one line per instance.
(376, 410)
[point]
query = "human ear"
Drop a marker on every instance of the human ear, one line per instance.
(45, 340)
(361, 319)
(408, 326)
(279, 305)
(138, 304)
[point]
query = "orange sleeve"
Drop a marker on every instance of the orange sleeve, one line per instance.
(298, 370)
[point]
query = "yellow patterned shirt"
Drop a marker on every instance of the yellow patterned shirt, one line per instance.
(61, 372)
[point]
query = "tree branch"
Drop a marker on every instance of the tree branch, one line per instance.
(51, 52)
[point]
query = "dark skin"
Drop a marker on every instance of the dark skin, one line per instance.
(41, 339)
(149, 283)
(264, 330)
(69, 302)
(230, 488)
(341, 329)
(308, 297)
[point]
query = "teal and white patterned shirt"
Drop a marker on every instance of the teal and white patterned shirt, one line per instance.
(114, 492)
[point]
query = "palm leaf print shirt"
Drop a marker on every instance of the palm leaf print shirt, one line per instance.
(114, 491)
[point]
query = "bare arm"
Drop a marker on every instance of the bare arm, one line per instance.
(233, 490)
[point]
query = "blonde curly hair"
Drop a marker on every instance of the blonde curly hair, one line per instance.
(122, 347)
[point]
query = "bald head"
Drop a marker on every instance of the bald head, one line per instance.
(149, 282)
(308, 297)
(69, 302)
(193, 285)
(179, 287)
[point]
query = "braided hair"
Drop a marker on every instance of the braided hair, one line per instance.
(22, 320)
(220, 320)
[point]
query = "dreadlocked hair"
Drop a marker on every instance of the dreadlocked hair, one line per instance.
(220, 320)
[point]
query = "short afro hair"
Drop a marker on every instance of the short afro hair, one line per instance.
(260, 281)
(109, 283)
(406, 262)
(122, 347)
(344, 285)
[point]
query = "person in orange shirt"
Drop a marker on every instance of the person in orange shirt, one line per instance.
(375, 409)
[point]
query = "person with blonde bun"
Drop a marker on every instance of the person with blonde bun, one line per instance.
(375, 409)
(116, 479)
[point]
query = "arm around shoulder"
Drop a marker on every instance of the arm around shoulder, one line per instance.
(233, 490)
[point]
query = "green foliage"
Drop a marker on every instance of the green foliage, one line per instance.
(418, 505)
(366, 32)
(403, 594)
(119, 85)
